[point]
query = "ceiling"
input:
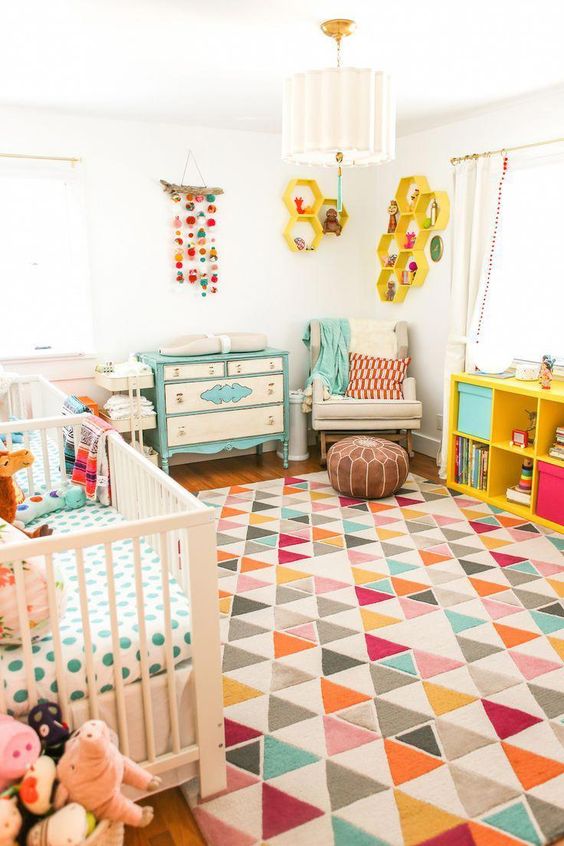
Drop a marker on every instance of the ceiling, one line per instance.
(222, 62)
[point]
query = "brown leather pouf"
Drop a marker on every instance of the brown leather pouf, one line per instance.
(371, 468)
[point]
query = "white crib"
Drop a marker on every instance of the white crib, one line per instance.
(172, 720)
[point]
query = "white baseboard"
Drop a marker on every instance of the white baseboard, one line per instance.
(426, 444)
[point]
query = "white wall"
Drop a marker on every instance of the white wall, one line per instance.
(428, 153)
(263, 285)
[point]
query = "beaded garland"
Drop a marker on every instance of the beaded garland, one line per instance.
(195, 252)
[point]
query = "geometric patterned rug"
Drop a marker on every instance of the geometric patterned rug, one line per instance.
(393, 670)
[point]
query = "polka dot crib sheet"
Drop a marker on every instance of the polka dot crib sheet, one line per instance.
(12, 671)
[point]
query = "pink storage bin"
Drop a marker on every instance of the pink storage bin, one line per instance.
(550, 498)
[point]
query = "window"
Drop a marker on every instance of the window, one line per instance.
(43, 269)
(524, 307)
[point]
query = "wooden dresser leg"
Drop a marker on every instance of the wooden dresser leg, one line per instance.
(409, 439)
(323, 449)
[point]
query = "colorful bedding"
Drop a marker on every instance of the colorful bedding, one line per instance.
(12, 672)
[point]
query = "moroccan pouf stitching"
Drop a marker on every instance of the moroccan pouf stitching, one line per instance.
(371, 468)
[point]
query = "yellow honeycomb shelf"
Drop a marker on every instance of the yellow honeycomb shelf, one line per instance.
(421, 212)
(311, 216)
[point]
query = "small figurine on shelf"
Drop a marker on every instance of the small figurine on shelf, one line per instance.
(300, 243)
(409, 240)
(546, 368)
(391, 260)
(414, 197)
(531, 428)
(391, 291)
(331, 222)
(393, 212)
(434, 212)
(299, 201)
(308, 210)
(412, 267)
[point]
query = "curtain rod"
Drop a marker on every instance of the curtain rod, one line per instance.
(458, 159)
(40, 158)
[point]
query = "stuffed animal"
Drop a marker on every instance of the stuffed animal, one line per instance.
(10, 463)
(36, 789)
(47, 721)
(393, 211)
(299, 202)
(68, 827)
(409, 240)
(331, 222)
(19, 749)
(10, 821)
(66, 498)
(91, 772)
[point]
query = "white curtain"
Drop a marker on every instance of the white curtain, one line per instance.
(476, 183)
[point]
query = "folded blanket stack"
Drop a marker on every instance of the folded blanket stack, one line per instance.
(121, 407)
(92, 468)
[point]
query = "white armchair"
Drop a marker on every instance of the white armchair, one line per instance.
(336, 416)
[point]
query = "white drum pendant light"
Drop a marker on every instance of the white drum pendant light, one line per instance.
(343, 117)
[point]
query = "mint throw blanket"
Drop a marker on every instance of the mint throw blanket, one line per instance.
(332, 366)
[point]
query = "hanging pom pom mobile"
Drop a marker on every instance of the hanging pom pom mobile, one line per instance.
(194, 244)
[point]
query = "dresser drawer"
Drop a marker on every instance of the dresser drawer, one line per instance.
(254, 365)
(212, 394)
(173, 372)
(222, 426)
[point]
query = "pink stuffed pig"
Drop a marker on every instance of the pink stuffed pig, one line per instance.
(91, 772)
(19, 749)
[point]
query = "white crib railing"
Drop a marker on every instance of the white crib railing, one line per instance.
(181, 530)
(32, 396)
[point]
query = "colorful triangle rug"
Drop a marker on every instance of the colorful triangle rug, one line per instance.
(393, 670)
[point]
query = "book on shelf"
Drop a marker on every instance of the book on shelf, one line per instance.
(471, 463)
(516, 495)
(556, 451)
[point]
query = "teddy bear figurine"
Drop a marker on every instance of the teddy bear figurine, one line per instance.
(331, 222)
(91, 772)
(10, 821)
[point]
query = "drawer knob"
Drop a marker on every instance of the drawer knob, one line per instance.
(238, 368)
(270, 388)
(180, 397)
(181, 430)
(176, 371)
(272, 365)
(211, 369)
(270, 420)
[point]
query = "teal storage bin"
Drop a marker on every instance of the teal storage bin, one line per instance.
(475, 410)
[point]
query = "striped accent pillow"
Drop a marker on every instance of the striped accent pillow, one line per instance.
(376, 378)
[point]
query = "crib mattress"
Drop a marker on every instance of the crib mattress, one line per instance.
(13, 674)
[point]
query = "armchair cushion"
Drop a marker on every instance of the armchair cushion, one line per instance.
(376, 378)
(347, 408)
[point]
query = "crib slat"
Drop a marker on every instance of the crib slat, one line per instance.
(172, 703)
(86, 631)
(145, 675)
(30, 482)
(60, 665)
(45, 454)
(116, 649)
(61, 446)
(23, 619)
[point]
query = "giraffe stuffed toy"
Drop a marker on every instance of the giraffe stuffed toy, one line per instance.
(10, 463)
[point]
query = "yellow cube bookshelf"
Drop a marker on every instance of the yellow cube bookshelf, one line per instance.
(511, 399)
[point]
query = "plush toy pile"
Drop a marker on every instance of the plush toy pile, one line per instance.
(56, 787)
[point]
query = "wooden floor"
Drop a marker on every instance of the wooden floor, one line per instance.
(173, 824)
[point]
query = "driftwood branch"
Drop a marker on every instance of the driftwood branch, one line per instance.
(171, 188)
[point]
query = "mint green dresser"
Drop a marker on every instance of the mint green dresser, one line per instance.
(206, 404)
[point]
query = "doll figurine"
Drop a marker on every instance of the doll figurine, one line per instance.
(545, 374)
(414, 197)
(393, 212)
(331, 222)
(391, 292)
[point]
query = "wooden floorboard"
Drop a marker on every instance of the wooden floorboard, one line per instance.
(174, 824)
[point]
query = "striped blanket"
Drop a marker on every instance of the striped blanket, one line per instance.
(91, 467)
(72, 405)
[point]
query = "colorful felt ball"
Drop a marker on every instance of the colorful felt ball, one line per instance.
(199, 198)
(211, 221)
(203, 258)
(191, 251)
(178, 241)
(214, 277)
(191, 220)
(201, 240)
(179, 264)
(212, 209)
(177, 222)
(189, 206)
(202, 251)
(214, 266)
(213, 290)
(201, 233)
(189, 196)
(192, 276)
(178, 256)
(201, 214)
(210, 198)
